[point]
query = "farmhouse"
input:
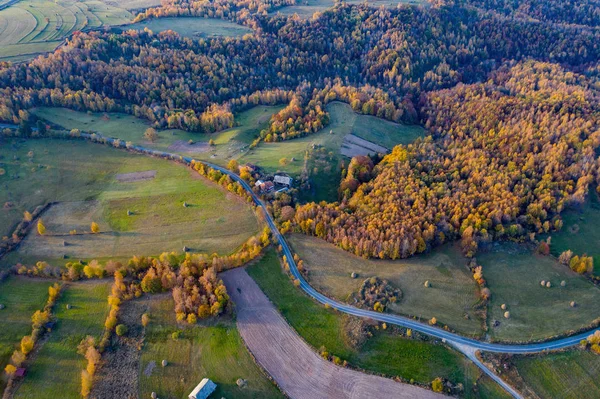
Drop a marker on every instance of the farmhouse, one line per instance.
(203, 390)
(284, 180)
(265, 186)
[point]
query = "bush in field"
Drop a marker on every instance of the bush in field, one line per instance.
(41, 228)
(145, 319)
(565, 257)
(121, 330)
(151, 135)
(94, 228)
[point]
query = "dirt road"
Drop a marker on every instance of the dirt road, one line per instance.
(296, 368)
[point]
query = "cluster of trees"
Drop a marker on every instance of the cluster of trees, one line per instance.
(497, 166)
(579, 264)
(592, 342)
(237, 10)
(296, 120)
(359, 171)
(38, 323)
(581, 12)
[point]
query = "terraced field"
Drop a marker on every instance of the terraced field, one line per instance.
(30, 27)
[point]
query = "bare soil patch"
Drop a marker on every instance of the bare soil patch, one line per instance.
(353, 146)
(136, 176)
(296, 368)
(183, 146)
(118, 374)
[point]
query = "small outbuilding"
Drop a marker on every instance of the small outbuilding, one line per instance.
(203, 390)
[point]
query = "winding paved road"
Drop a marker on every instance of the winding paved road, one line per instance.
(289, 360)
(466, 345)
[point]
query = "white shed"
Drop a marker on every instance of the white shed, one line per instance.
(203, 390)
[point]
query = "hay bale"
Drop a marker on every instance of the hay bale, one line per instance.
(164, 363)
(353, 275)
(185, 249)
(503, 306)
(153, 395)
(563, 283)
(573, 304)
(427, 284)
(543, 283)
(185, 204)
(240, 382)
(507, 315)
(129, 213)
(548, 284)
(2, 306)
(68, 306)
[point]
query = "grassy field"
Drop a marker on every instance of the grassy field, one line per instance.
(325, 173)
(234, 142)
(85, 182)
(192, 27)
(452, 294)
(307, 8)
(22, 297)
(580, 232)
(568, 375)
(31, 27)
(56, 370)
(214, 350)
(384, 353)
(343, 121)
(129, 128)
(514, 274)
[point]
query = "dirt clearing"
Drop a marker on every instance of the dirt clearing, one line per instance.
(184, 146)
(118, 374)
(136, 176)
(354, 146)
(296, 368)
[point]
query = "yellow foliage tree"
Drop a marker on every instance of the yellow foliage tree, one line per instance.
(10, 369)
(41, 228)
(26, 344)
(94, 227)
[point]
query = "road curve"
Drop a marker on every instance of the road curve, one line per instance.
(291, 362)
(466, 345)
(342, 307)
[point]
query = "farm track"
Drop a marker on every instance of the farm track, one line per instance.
(296, 368)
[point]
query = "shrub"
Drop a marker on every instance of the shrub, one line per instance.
(437, 385)
(433, 321)
(10, 369)
(41, 228)
(176, 335)
(121, 330)
(27, 344)
(191, 319)
(145, 319)
(86, 383)
(94, 228)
